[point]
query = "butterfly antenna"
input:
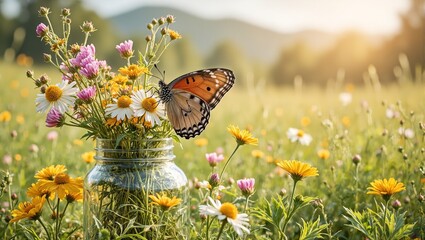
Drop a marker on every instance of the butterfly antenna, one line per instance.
(162, 73)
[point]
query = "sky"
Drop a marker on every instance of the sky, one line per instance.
(368, 16)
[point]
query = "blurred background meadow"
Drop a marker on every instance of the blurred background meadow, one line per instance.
(350, 73)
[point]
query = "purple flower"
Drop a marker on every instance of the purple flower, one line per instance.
(41, 30)
(54, 118)
(87, 94)
(213, 159)
(246, 185)
(90, 70)
(84, 57)
(214, 180)
(125, 49)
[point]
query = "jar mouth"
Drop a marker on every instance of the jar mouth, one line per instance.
(152, 150)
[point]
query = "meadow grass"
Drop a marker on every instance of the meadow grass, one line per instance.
(363, 127)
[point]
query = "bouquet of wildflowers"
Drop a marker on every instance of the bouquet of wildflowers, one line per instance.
(108, 104)
(122, 110)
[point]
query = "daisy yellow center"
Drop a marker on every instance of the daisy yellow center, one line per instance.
(53, 93)
(149, 104)
(229, 210)
(300, 133)
(62, 178)
(124, 102)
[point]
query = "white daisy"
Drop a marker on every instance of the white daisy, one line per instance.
(61, 96)
(228, 212)
(149, 107)
(120, 108)
(297, 135)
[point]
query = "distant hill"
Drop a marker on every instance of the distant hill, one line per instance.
(256, 42)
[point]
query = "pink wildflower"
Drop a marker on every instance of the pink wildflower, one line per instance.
(125, 49)
(41, 30)
(246, 185)
(87, 94)
(84, 57)
(213, 159)
(54, 118)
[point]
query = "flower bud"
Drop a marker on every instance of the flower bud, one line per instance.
(317, 203)
(43, 11)
(43, 89)
(400, 149)
(14, 196)
(38, 83)
(282, 192)
(14, 134)
(7, 218)
(88, 27)
(148, 38)
(161, 21)
(150, 26)
(396, 204)
(154, 21)
(170, 19)
(214, 180)
(47, 57)
(44, 79)
(405, 156)
(68, 21)
(163, 31)
(356, 159)
(30, 74)
(66, 12)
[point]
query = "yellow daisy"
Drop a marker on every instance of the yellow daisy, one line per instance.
(31, 210)
(37, 191)
(164, 201)
(298, 170)
(323, 154)
(385, 188)
(50, 172)
(63, 185)
(133, 71)
(174, 35)
(242, 136)
(88, 157)
(74, 196)
(5, 116)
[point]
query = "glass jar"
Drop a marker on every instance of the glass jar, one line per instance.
(135, 189)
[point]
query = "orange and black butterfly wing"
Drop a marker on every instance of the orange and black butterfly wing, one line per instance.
(188, 114)
(208, 84)
(189, 99)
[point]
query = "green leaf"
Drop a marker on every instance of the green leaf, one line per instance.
(359, 221)
(312, 230)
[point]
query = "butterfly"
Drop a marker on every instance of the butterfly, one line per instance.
(189, 98)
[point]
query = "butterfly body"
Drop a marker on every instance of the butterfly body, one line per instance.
(189, 98)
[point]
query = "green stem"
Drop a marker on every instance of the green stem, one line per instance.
(45, 228)
(246, 204)
(57, 220)
(228, 160)
(385, 217)
(221, 229)
(357, 187)
(290, 210)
